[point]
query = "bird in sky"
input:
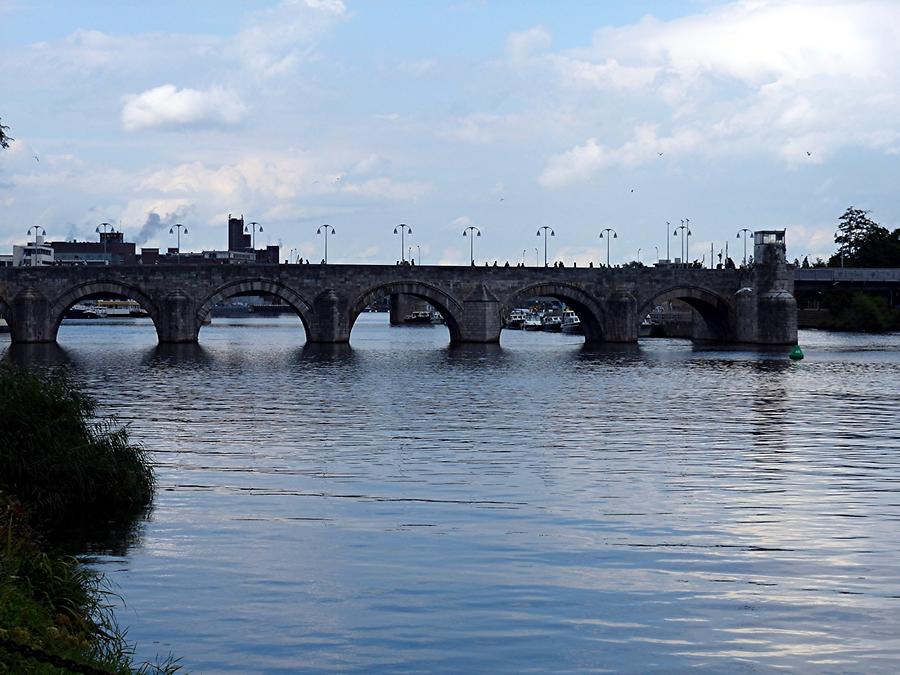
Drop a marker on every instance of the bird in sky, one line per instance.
(632, 189)
(36, 158)
(808, 153)
(660, 154)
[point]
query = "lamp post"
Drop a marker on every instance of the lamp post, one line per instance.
(682, 227)
(177, 229)
(657, 247)
(254, 228)
(419, 253)
(324, 230)
(614, 236)
(404, 229)
(102, 229)
(687, 245)
(746, 232)
(471, 232)
(537, 256)
(37, 230)
(545, 228)
(639, 256)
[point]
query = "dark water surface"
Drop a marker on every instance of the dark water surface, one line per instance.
(400, 505)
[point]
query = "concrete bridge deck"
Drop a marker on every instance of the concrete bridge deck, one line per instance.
(750, 306)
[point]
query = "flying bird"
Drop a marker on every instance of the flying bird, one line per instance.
(659, 153)
(36, 158)
(632, 189)
(808, 153)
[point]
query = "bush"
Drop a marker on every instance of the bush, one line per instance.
(862, 312)
(58, 459)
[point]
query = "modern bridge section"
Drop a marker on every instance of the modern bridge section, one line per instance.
(750, 306)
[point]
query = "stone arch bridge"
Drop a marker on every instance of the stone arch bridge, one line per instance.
(748, 306)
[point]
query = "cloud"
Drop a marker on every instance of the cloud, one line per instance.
(168, 107)
(279, 38)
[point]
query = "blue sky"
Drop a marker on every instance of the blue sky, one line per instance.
(508, 116)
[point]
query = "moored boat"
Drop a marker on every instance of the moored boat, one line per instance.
(571, 323)
(516, 319)
(552, 323)
(533, 322)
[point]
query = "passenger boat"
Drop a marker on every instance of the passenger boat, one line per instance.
(571, 323)
(516, 319)
(533, 322)
(121, 308)
(552, 323)
(84, 311)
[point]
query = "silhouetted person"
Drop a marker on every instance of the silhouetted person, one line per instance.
(805, 262)
(591, 263)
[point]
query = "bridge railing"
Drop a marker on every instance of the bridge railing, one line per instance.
(837, 274)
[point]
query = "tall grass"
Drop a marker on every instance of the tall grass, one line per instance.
(58, 459)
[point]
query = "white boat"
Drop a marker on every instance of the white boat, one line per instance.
(423, 316)
(552, 323)
(533, 322)
(571, 323)
(84, 311)
(516, 319)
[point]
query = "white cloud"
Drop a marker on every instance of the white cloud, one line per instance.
(168, 107)
(279, 38)
(520, 47)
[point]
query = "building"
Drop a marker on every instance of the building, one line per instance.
(112, 249)
(237, 239)
(34, 254)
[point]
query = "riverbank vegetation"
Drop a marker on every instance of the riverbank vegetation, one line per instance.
(59, 464)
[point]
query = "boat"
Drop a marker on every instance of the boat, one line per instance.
(121, 308)
(552, 323)
(516, 319)
(437, 318)
(533, 322)
(571, 323)
(84, 311)
(418, 317)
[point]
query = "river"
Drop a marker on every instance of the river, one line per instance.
(400, 505)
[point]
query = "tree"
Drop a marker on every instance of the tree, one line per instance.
(4, 139)
(864, 243)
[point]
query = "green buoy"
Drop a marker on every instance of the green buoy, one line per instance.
(796, 353)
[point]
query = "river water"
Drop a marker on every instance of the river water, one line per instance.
(400, 505)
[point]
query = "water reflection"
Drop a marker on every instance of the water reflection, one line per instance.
(400, 504)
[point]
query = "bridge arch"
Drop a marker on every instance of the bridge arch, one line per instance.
(257, 286)
(583, 304)
(103, 288)
(445, 304)
(715, 311)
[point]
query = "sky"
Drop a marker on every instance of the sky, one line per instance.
(504, 115)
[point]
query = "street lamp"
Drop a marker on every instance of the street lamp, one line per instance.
(545, 228)
(668, 255)
(639, 256)
(177, 229)
(324, 230)
(254, 228)
(657, 247)
(746, 233)
(537, 258)
(682, 227)
(37, 230)
(471, 232)
(615, 235)
(404, 229)
(102, 229)
(419, 253)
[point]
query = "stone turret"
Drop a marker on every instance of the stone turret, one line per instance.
(773, 280)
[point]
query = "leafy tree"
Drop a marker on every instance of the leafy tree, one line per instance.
(864, 243)
(4, 139)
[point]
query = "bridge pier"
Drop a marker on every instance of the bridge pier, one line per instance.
(481, 321)
(330, 322)
(29, 320)
(621, 318)
(177, 321)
